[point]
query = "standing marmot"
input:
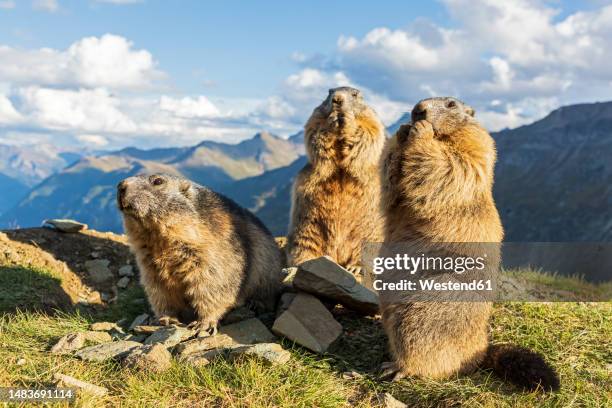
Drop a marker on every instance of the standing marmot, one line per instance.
(336, 196)
(198, 252)
(437, 188)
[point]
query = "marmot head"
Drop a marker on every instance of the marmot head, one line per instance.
(342, 105)
(446, 114)
(341, 126)
(151, 198)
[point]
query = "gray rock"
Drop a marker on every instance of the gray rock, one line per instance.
(126, 270)
(139, 321)
(351, 375)
(69, 226)
(308, 323)
(326, 279)
(106, 326)
(123, 282)
(386, 400)
(146, 329)
(98, 270)
(270, 352)
(202, 344)
(202, 358)
(136, 337)
(97, 337)
(68, 343)
(237, 315)
(63, 380)
(169, 336)
(152, 358)
(285, 302)
(101, 352)
(249, 331)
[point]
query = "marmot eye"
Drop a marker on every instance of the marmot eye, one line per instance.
(451, 104)
(355, 93)
(157, 181)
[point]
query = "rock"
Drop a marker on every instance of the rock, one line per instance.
(152, 358)
(139, 320)
(67, 381)
(237, 315)
(202, 358)
(126, 270)
(136, 337)
(249, 331)
(169, 336)
(270, 352)
(69, 343)
(386, 400)
(324, 278)
(144, 329)
(106, 297)
(98, 270)
(123, 282)
(308, 323)
(95, 254)
(351, 375)
(285, 302)
(203, 344)
(97, 337)
(69, 226)
(101, 352)
(21, 361)
(106, 326)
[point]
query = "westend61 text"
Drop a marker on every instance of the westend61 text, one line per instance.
(432, 285)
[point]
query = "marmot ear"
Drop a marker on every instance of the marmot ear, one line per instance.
(184, 186)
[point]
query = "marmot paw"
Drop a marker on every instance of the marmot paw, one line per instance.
(422, 129)
(204, 328)
(390, 371)
(168, 321)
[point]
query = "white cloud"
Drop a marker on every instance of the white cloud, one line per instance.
(7, 4)
(89, 110)
(516, 52)
(199, 107)
(8, 114)
(107, 61)
(46, 5)
(93, 140)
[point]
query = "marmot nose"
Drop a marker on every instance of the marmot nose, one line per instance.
(419, 112)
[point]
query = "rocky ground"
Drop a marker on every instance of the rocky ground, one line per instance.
(326, 326)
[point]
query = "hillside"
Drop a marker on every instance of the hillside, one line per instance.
(554, 177)
(86, 189)
(47, 292)
(12, 191)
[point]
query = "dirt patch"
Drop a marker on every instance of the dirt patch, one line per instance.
(67, 254)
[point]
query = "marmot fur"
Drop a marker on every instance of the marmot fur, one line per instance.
(437, 188)
(336, 196)
(198, 252)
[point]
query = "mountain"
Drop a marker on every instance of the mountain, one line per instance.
(553, 178)
(12, 191)
(31, 164)
(86, 189)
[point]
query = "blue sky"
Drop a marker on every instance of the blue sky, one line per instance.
(151, 72)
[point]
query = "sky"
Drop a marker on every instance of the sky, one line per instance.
(105, 74)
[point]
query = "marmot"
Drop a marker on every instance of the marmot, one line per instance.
(437, 188)
(199, 253)
(335, 205)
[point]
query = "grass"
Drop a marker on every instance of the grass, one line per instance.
(575, 337)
